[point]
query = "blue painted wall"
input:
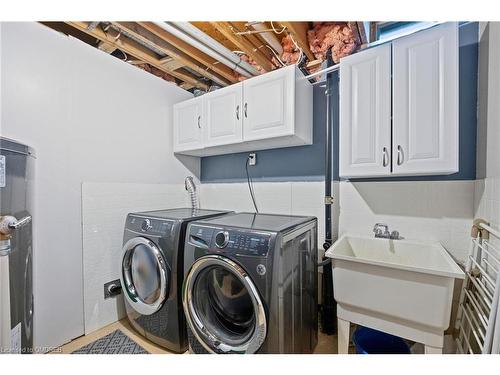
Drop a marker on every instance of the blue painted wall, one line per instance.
(284, 164)
(307, 163)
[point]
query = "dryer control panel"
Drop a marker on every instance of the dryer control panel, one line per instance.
(149, 226)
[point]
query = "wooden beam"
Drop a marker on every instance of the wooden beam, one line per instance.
(374, 33)
(171, 63)
(255, 40)
(362, 32)
(212, 32)
(314, 64)
(149, 38)
(195, 53)
(244, 45)
(132, 47)
(298, 30)
(354, 27)
(106, 47)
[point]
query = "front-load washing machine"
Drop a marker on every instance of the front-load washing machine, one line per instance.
(250, 284)
(152, 272)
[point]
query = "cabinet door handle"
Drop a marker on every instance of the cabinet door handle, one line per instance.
(401, 156)
(238, 112)
(199, 125)
(245, 110)
(385, 157)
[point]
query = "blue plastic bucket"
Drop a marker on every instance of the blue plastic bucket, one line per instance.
(371, 341)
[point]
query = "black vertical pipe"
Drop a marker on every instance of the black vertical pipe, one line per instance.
(329, 306)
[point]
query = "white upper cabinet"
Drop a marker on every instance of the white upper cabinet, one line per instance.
(223, 115)
(269, 111)
(269, 105)
(425, 102)
(188, 127)
(422, 138)
(365, 113)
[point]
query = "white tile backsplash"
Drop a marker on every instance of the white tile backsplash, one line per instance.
(105, 206)
(104, 209)
(437, 210)
(304, 198)
(487, 202)
(420, 210)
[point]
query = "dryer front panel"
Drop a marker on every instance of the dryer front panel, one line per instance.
(144, 275)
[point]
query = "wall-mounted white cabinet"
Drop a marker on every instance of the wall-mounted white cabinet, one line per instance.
(269, 105)
(188, 127)
(425, 102)
(269, 111)
(223, 125)
(399, 107)
(365, 113)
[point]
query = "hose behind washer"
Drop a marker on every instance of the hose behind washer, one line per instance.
(191, 189)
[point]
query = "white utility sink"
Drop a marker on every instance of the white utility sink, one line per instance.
(400, 287)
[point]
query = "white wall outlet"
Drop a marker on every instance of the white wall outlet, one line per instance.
(252, 158)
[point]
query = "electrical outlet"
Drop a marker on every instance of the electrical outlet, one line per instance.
(252, 158)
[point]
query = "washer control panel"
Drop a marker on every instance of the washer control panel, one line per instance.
(221, 239)
(239, 242)
(246, 243)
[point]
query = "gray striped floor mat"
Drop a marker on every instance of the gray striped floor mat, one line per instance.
(114, 343)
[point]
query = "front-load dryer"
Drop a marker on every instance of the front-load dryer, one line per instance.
(151, 273)
(251, 284)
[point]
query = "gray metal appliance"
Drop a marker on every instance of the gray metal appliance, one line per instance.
(251, 284)
(16, 251)
(152, 271)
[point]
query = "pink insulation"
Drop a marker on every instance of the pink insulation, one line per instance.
(252, 62)
(336, 36)
(290, 53)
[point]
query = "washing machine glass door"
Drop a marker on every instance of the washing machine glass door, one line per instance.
(223, 306)
(144, 275)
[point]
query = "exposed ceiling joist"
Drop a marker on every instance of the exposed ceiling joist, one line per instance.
(106, 47)
(148, 37)
(212, 32)
(255, 39)
(171, 63)
(269, 36)
(244, 45)
(362, 32)
(354, 26)
(195, 53)
(131, 47)
(298, 30)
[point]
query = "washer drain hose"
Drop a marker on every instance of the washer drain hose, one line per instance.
(191, 189)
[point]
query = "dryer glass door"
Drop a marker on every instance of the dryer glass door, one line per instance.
(223, 306)
(144, 275)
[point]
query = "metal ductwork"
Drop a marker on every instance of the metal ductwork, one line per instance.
(198, 39)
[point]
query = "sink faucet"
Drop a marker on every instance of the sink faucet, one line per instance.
(382, 231)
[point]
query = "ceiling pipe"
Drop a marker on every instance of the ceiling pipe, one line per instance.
(269, 37)
(211, 43)
(169, 27)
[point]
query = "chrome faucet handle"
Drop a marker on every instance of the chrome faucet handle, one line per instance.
(381, 230)
(395, 235)
(378, 226)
